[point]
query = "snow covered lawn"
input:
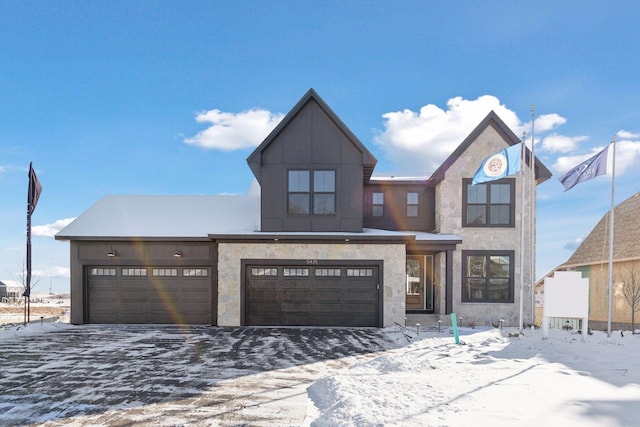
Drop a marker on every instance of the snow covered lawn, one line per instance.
(57, 374)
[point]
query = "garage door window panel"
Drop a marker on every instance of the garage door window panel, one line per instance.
(264, 272)
(195, 272)
(165, 272)
(328, 272)
(134, 272)
(103, 272)
(295, 272)
(359, 272)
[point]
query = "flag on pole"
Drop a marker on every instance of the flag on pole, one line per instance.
(590, 168)
(499, 165)
(34, 190)
(33, 194)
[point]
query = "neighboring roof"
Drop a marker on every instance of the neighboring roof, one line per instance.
(115, 217)
(492, 119)
(626, 237)
(368, 160)
(10, 284)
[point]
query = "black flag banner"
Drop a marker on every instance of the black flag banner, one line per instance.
(34, 190)
(32, 200)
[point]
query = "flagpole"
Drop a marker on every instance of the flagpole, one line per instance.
(611, 229)
(27, 294)
(532, 221)
(522, 210)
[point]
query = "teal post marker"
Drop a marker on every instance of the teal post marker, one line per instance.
(454, 324)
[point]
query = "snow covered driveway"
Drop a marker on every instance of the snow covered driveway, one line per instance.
(171, 375)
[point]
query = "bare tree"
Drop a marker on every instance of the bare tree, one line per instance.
(21, 277)
(631, 291)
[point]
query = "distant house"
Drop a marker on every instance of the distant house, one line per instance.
(319, 240)
(592, 259)
(10, 291)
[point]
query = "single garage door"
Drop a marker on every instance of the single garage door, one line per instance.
(160, 295)
(339, 295)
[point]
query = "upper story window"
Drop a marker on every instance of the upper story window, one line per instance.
(487, 276)
(377, 204)
(311, 191)
(412, 204)
(491, 204)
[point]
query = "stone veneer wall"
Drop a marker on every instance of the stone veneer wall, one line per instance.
(231, 254)
(449, 220)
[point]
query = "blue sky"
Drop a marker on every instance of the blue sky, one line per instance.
(169, 97)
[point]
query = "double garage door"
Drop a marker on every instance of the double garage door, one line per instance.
(149, 295)
(312, 295)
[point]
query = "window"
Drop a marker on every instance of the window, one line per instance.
(165, 272)
(299, 193)
(489, 204)
(360, 272)
(311, 191)
(377, 204)
(412, 204)
(264, 271)
(138, 272)
(195, 272)
(487, 276)
(103, 271)
(296, 272)
(327, 272)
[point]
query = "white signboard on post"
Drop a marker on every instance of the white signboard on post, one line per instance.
(566, 294)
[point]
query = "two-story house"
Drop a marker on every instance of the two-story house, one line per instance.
(317, 241)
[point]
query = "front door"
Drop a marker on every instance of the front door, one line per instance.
(419, 286)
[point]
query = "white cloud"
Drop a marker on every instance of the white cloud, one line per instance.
(234, 131)
(420, 141)
(546, 122)
(59, 272)
(573, 245)
(627, 155)
(50, 230)
(628, 135)
(561, 144)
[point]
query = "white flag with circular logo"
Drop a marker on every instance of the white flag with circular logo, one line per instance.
(499, 165)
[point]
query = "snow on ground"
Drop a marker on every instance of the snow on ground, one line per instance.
(491, 378)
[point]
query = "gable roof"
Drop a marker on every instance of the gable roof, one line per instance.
(368, 160)
(492, 119)
(626, 237)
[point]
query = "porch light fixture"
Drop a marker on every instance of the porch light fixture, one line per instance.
(112, 253)
(178, 254)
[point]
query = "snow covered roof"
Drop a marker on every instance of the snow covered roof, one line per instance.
(202, 217)
(165, 216)
(393, 178)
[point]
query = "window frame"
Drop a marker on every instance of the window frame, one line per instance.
(466, 183)
(315, 187)
(415, 205)
(376, 207)
(509, 254)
